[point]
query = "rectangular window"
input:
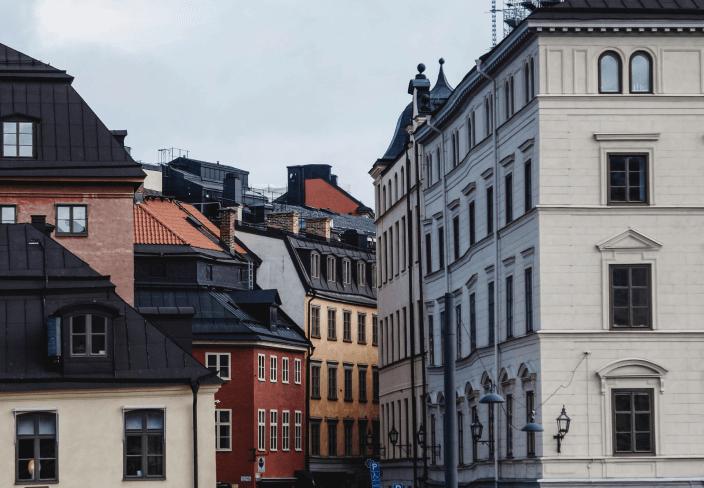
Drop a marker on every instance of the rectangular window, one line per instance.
(331, 268)
(528, 187)
(89, 335)
(375, 385)
(362, 426)
(315, 266)
(362, 384)
(315, 381)
(375, 330)
(397, 253)
(362, 328)
(261, 360)
(144, 444)
(18, 140)
(332, 327)
(405, 333)
(433, 440)
(347, 325)
(458, 328)
(431, 341)
(472, 225)
(403, 243)
(315, 321)
(346, 272)
(208, 272)
(376, 436)
(492, 439)
(273, 430)
(472, 322)
(361, 274)
(332, 382)
(392, 342)
(491, 312)
(460, 438)
(509, 198)
(315, 438)
(630, 296)
(529, 299)
(284, 370)
(509, 306)
(71, 220)
(509, 426)
(442, 337)
(456, 236)
(633, 421)
(475, 442)
(8, 214)
(297, 371)
(285, 438)
(272, 369)
(298, 419)
(428, 253)
(332, 438)
(348, 385)
(219, 362)
(349, 432)
(223, 430)
(373, 275)
(489, 210)
(441, 246)
(530, 436)
(390, 254)
(36, 448)
(628, 179)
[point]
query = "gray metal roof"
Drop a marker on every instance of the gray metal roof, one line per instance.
(363, 225)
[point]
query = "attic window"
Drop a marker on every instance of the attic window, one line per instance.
(88, 335)
(331, 268)
(18, 140)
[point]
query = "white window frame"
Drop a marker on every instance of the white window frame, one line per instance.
(273, 427)
(14, 213)
(284, 370)
(297, 371)
(219, 423)
(261, 430)
(361, 274)
(285, 430)
(261, 363)
(298, 416)
(273, 373)
(331, 269)
(315, 266)
(346, 271)
(218, 363)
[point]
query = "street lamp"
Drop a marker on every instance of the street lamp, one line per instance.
(491, 397)
(393, 436)
(563, 427)
(476, 427)
(532, 426)
(421, 436)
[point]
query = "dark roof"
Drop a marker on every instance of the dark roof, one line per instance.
(15, 65)
(256, 296)
(141, 352)
(633, 7)
(442, 89)
(363, 225)
(153, 167)
(400, 137)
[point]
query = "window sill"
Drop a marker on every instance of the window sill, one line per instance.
(66, 234)
(160, 478)
(314, 397)
(315, 337)
(346, 340)
(350, 400)
(363, 343)
(332, 399)
(332, 338)
(362, 401)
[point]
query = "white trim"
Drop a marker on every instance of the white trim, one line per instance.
(219, 423)
(625, 147)
(617, 136)
(248, 344)
(285, 430)
(261, 430)
(273, 369)
(273, 430)
(296, 371)
(298, 430)
(261, 367)
(285, 371)
(217, 356)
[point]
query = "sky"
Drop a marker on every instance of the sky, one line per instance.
(258, 85)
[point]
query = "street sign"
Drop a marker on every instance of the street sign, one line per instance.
(260, 465)
(245, 478)
(376, 475)
(398, 485)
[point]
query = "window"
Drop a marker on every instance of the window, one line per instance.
(315, 321)
(361, 274)
(396, 187)
(272, 369)
(454, 150)
(431, 341)
(509, 306)
(429, 168)
(610, 73)
(375, 330)
(18, 140)
(297, 371)
(315, 381)
(633, 421)
(641, 73)
(362, 328)
(475, 443)
(261, 430)
(315, 438)
(261, 367)
(456, 236)
(630, 296)
(439, 162)
(218, 362)
(273, 430)
(428, 253)
(332, 438)
(331, 268)
(472, 322)
(487, 118)
(375, 385)
(460, 438)
(347, 326)
(362, 384)
(442, 337)
(88, 335)
(441, 246)
(348, 385)
(332, 327)
(526, 82)
(346, 272)
(71, 220)
(492, 442)
(392, 342)
(315, 266)
(332, 382)
(489, 210)
(36, 448)
(458, 323)
(509, 198)
(491, 312)
(362, 437)
(285, 438)
(208, 272)
(529, 299)
(298, 418)
(374, 276)
(8, 214)
(473, 129)
(402, 326)
(511, 98)
(144, 444)
(508, 98)
(349, 432)
(528, 188)
(284, 370)
(432, 439)
(376, 436)
(509, 426)
(627, 179)
(223, 430)
(530, 436)
(403, 243)
(472, 224)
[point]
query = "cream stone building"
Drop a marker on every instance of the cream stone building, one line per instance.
(564, 220)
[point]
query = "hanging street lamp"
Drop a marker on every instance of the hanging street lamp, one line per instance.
(563, 427)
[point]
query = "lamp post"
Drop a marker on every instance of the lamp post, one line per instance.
(563, 427)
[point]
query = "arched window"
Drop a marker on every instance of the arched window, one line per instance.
(378, 198)
(403, 181)
(454, 151)
(641, 72)
(511, 98)
(383, 204)
(526, 82)
(439, 162)
(609, 73)
(391, 193)
(474, 129)
(469, 133)
(487, 116)
(429, 169)
(532, 79)
(507, 103)
(396, 186)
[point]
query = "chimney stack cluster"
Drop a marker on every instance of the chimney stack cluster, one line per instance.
(319, 227)
(227, 227)
(288, 221)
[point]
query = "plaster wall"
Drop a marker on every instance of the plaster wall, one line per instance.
(153, 179)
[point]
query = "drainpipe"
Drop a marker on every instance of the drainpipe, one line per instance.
(497, 288)
(195, 386)
(450, 348)
(311, 349)
(414, 408)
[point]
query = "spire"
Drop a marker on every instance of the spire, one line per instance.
(442, 89)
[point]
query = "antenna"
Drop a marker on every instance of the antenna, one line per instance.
(493, 23)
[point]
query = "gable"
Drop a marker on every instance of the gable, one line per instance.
(629, 240)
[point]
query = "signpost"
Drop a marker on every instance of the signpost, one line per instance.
(260, 465)
(376, 475)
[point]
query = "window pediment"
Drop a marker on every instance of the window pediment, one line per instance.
(632, 368)
(629, 240)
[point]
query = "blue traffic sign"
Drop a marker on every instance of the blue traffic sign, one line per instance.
(398, 485)
(376, 475)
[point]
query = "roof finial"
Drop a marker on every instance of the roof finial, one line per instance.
(442, 61)
(421, 68)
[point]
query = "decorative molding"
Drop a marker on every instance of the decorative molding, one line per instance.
(440, 300)
(488, 173)
(632, 368)
(471, 281)
(429, 304)
(508, 160)
(457, 292)
(489, 269)
(509, 261)
(438, 215)
(454, 204)
(526, 145)
(528, 252)
(629, 240)
(426, 222)
(469, 188)
(619, 136)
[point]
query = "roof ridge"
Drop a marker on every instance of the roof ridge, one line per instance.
(162, 224)
(21, 61)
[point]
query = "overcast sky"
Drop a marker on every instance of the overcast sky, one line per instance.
(259, 85)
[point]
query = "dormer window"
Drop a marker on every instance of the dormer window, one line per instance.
(346, 271)
(88, 335)
(315, 266)
(18, 139)
(331, 268)
(361, 273)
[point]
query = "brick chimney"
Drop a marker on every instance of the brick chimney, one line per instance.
(319, 227)
(227, 227)
(288, 221)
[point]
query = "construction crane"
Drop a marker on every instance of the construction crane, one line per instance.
(514, 12)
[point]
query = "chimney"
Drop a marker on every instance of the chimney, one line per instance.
(39, 222)
(120, 136)
(288, 221)
(227, 227)
(319, 227)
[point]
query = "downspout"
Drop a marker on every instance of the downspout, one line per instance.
(310, 353)
(195, 386)
(414, 407)
(496, 260)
